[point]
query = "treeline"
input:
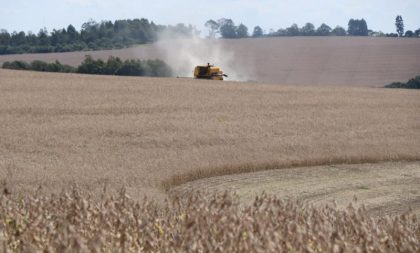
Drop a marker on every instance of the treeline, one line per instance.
(413, 83)
(127, 32)
(227, 29)
(92, 36)
(113, 66)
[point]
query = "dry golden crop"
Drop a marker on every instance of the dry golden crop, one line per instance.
(58, 130)
(72, 222)
(96, 131)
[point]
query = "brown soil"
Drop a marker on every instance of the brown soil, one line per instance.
(293, 61)
(385, 188)
(100, 132)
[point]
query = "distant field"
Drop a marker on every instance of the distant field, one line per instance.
(102, 132)
(352, 61)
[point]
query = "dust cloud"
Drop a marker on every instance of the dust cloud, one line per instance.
(184, 53)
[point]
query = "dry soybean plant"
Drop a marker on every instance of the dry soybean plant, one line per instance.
(74, 222)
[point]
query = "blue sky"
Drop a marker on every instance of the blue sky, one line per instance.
(17, 15)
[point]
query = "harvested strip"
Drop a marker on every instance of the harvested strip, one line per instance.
(385, 188)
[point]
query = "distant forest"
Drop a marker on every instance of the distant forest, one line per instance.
(125, 33)
(92, 36)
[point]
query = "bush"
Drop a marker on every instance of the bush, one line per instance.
(113, 66)
(395, 85)
(131, 68)
(68, 69)
(54, 67)
(413, 83)
(19, 65)
(91, 66)
(159, 68)
(39, 66)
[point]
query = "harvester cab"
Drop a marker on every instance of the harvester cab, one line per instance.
(209, 72)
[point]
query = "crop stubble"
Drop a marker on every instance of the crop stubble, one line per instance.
(384, 188)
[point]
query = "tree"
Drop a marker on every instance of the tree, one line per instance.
(323, 30)
(364, 31)
(89, 31)
(43, 39)
(358, 27)
(72, 33)
(352, 29)
(18, 39)
(258, 32)
(409, 34)
(4, 37)
(417, 32)
(213, 27)
(308, 30)
(281, 32)
(31, 38)
(293, 30)
(399, 24)
(59, 37)
(338, 31)
(227, 28)
(242, 31)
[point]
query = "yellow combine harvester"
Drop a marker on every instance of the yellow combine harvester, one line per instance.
(209, 72)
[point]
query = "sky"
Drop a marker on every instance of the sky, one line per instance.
(32, 15)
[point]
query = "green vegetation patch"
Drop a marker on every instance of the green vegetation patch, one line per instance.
(413, 83)
(113, 66)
